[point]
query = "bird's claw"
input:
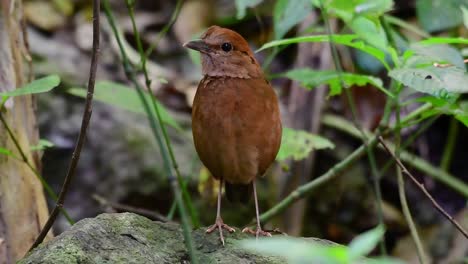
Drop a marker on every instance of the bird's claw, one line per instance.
(220, 225)
(258, 232)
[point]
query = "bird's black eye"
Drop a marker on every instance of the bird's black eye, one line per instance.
(226, 46)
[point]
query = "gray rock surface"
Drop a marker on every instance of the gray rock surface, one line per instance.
(131, 238)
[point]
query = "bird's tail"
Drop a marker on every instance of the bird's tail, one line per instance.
(238, 192)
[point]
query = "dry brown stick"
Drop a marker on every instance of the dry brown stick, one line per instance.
(84, 126)
(421, 186)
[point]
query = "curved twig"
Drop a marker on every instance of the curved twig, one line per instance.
(405, 171)
(84, 126)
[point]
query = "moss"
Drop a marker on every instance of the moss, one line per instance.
(130, 238)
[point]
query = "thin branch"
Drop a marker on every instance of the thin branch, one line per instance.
(143, 58)
(449, 145)
(129, 71)
(421, 186)
(401, 189)
(148, 213)
(352, 105)
(303, 190)
(166, 28)
(415, 161)
(84, 126)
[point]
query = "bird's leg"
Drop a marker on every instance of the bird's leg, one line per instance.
(259, 231)
(219, 224)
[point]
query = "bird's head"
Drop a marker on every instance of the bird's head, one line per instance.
(225, 53)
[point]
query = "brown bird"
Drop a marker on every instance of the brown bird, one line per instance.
(235, 118)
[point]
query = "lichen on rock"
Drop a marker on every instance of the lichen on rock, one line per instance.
(131, 238)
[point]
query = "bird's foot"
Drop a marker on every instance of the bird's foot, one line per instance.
(220, 225)
(258, 232)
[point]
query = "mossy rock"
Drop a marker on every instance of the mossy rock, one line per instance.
(130, 238)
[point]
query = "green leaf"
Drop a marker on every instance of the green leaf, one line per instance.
(429, 54)
(42, 144)
(347, 9)
(348, 40)
(289, 13)
(370, 31)
(242, 5)
(124, 97)
(298, 144)
(436, 15)
(465, 15)
(311, 79)
(37, 86)
(442, 40)
(440, 82)
(296, 250)
(5, 151)
(365, 242)
(374, 7)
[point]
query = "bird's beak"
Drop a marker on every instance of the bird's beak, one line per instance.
(198, 45)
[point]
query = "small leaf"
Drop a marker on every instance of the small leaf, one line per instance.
(374, 7)
(297, 250)
(42, 144)
(365, 242)
(298, 144)
(242, 5)
(370, 31)
(348, 40)
(289, 13)
(4, 151)
(124, 97)
(37, 86)
(311, 79)
(465, 15)
(441, 40)
(440, 82)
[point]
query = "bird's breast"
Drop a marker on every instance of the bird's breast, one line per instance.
(236, 127)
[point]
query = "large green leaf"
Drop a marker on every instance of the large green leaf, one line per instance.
(296, 250)
(311, 79)
(365, 242)
(439, 82)
(362, 17)
(436, 15)
(124, 97)
(429, 54)
(357, 7)
(41, 85)
(348, 40)
(289, 13)
(297, 144)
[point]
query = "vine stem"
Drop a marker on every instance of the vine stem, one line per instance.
(143, 58)
(421, 186)
(129, 71)
(84, 127)
(352, 105)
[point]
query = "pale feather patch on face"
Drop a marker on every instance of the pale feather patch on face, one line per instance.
(236, 63)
